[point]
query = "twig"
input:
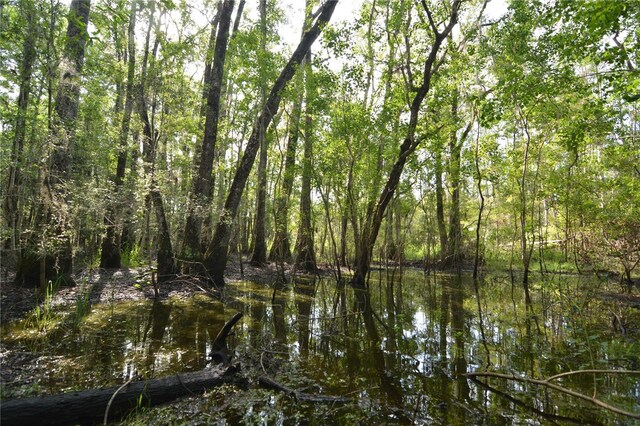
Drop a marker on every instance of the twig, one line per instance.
(570, 373)
(106, 411)
(558, 388)
(300, 396)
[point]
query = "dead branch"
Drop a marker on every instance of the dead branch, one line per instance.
(269, 383)
(547, 383)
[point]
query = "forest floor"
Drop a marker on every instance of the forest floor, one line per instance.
(125, 284)
(103, 286)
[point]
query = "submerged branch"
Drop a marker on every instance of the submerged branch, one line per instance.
(269, 383)
(547, 383)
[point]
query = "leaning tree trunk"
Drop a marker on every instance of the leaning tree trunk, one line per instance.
(51, 259)
(373, 220)
(200, 195)
(110, 256)
(11, 203)
(217, 253)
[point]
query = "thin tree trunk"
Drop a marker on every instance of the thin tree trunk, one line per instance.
(526, 250)
(165, 258)
(409, 145)
(343, 240)
(455, 148)
(12, 198)
(110, 256)
(442, 228)
(476, 260)
(281, 248)
(454, 255)
(259, 254)
(217, 253)
(305, 254)
(57, 262)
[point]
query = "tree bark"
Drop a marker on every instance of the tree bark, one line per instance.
(409, 145)
(110, 256)
(14, 182)
(54, 254)
(442, 228)
(217, 252)
(165, 258)
(259, 254)
(202, 184)
(305, 253)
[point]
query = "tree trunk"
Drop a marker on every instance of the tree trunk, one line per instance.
(56, 263)
(110, 256)
(343, 240)
(200, 195)
(476, 261)
(165, 258)
(216, 257)
(12, 198)
(454, 253)
(455, 148)
(259, 254)
(442, 228)
(409, 145)
(88, 407)
(305, 253)
(281, 248)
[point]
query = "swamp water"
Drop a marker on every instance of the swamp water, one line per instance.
(398, 351)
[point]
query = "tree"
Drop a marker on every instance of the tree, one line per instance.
(259, 254)
(217, 252)
(11, 202)
(110, 255)
(165, 258)
(202, 184)
(51, 258)
(373, 220)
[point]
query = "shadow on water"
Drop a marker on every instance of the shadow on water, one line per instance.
(400, 350)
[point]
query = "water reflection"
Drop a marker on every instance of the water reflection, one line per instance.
(400, 349)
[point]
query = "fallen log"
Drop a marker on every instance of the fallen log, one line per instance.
(89, 406)
(95, 405)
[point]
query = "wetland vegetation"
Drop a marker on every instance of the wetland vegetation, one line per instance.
(425, 211)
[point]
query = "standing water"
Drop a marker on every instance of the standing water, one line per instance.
(401, 351)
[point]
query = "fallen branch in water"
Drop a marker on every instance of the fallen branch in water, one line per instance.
(547, 382)
(269, 383)
(92, 405)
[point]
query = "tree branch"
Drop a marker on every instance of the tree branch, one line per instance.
(433, 25)
(547, 383)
